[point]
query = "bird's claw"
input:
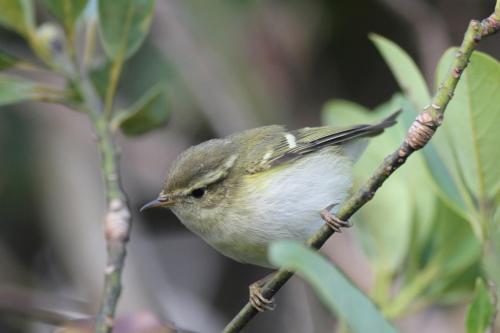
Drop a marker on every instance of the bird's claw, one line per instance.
(333, 221)
(259, 302)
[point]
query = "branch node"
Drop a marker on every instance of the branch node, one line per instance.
(110, 269)
(435, 106)
(110, 321)
(489, 25)
(116, 224)
(422, 129)
(112, 177)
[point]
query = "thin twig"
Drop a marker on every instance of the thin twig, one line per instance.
(117, 220)
(418, 135)
(116, 226)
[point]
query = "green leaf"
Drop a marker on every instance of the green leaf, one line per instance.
(150, 112)
(455, 289)
(457, 248)
(18, 15)
(143, 71)
(124, 24)
(481, 310)
(7, 61)
(491, 259)
(405, 71)
(148, 67)
(15, 89)
(100, 78)
(470, 139)
(452, 248)
(437, 167)
(332, 287)
(67, 11)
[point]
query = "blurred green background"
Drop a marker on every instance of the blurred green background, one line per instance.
(228, 66)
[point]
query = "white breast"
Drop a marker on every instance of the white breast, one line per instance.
(282, 203)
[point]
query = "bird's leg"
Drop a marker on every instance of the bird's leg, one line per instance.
(333, 221)
(259, 302)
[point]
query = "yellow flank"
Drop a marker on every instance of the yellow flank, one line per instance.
(259, 181)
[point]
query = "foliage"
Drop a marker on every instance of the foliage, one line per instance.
(124, 25)
(18, 15)
(440, 238)
(6, 60)
(16, 89)
(481, 309)
(67, 12)
(147, 113)
(444, 204)
(333, 288)
(470, 141)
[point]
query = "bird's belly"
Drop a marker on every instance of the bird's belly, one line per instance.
(250, 244)
(282, 205)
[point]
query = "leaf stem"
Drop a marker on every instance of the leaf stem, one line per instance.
(90, 41)
(381, 290)
(114, 76)
(419, 133)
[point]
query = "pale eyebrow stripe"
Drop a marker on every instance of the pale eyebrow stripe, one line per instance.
(290, 139)
(215, 175)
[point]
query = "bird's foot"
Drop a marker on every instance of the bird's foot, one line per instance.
(258, 301)
(333, 221)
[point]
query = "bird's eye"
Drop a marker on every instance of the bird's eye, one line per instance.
(198, 192)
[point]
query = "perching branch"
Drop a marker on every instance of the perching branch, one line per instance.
(419, 133)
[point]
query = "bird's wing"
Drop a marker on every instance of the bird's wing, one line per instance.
(291, 145)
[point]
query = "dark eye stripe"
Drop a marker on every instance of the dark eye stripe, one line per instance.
(198, 192)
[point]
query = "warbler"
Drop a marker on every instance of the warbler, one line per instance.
(242, 192)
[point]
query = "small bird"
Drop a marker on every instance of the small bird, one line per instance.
(242, 192)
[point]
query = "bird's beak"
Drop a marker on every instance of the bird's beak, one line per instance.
(161, 201)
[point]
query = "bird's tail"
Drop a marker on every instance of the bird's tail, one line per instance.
(353, 143)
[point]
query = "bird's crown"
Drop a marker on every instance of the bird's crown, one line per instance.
(200, 166)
